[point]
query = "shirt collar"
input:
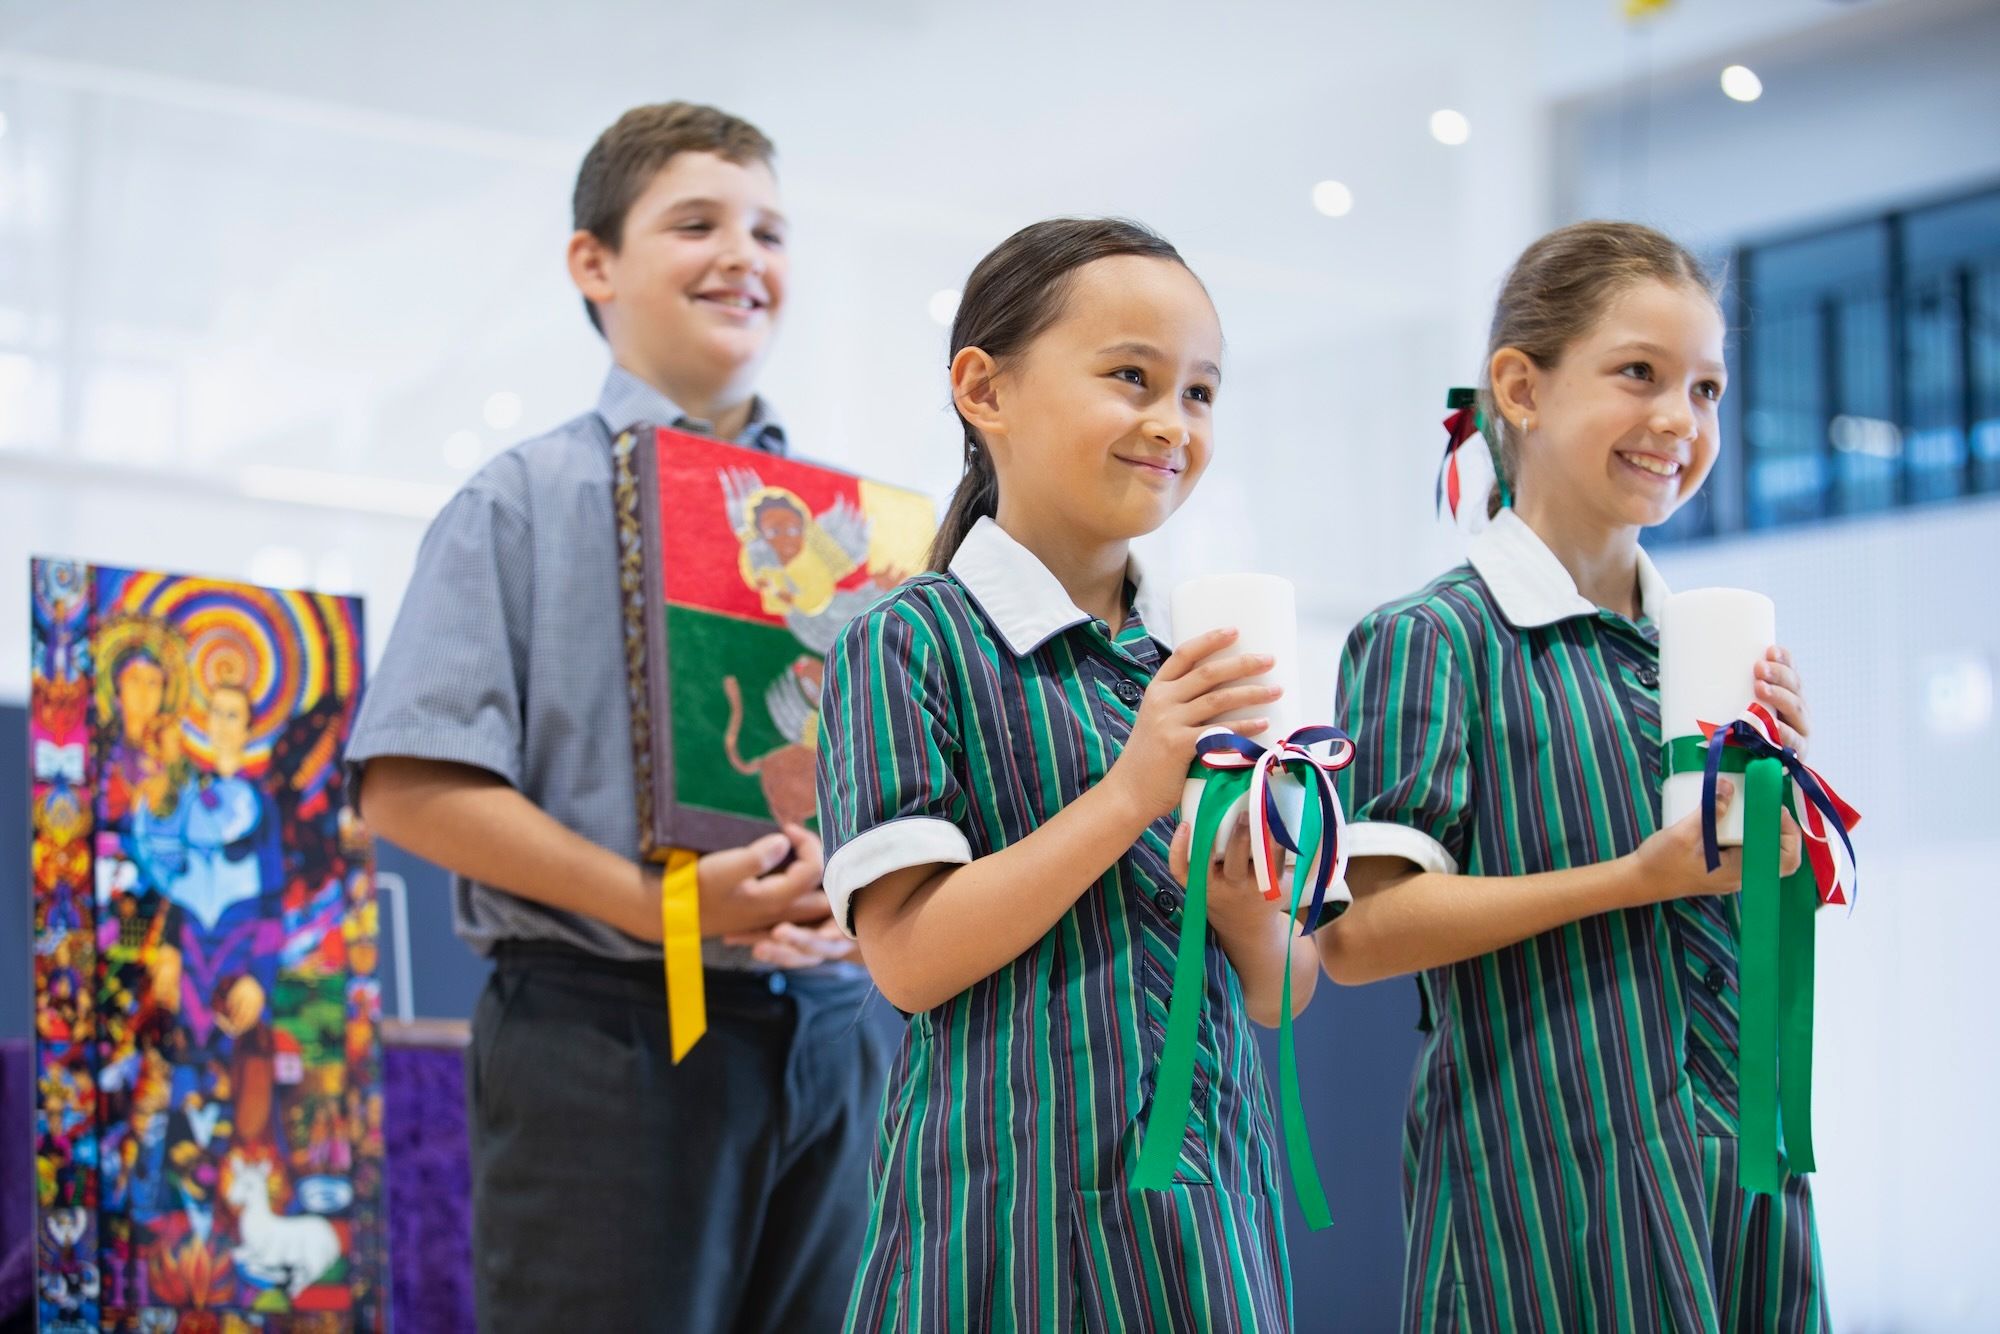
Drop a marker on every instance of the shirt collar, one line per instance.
(1023, 599)
(1531, 585)
(627, 401)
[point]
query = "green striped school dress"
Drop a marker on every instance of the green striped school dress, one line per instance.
(959, 715)
(1570, 1150)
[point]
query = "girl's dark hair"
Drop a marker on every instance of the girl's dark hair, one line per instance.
(1013, 295)
(1556, 291)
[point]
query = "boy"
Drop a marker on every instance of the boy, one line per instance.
(612, 1189)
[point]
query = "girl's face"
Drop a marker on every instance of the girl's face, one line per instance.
(1624, 426)
(1102, 424)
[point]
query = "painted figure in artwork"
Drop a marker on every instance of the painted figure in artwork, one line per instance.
(141, 690)
(796, 561)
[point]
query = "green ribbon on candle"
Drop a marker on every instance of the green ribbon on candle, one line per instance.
(1166, 1127)
(1774, 976)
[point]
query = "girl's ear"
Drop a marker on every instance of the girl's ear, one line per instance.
(975, 392)
(1515, 379)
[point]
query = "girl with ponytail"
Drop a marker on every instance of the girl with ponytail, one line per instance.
(1003, 748)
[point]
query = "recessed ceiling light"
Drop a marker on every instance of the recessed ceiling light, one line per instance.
(1741, 82)
(1333, 199)
(1450, 127)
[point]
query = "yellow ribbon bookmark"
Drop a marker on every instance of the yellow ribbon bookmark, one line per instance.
(680, 942)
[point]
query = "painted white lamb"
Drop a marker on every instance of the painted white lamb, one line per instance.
(290, 1251)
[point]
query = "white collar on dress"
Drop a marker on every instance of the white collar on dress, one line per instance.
(1531, 585)
(1023, 599)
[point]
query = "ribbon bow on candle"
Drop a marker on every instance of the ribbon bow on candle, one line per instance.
(1755, 732)
(1775, 969)
(1232, 766)
(1220, 750)
(1459, 427)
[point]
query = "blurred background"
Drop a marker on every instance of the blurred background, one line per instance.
(275, 279)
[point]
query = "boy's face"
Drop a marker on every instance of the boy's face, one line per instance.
(691, 297)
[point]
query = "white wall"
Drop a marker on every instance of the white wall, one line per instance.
(1885, 616)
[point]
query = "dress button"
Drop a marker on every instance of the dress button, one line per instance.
(1649, 677)
(777, 983)
(1714, 980)
(1129, 691)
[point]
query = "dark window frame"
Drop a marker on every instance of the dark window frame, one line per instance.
(1729, 503)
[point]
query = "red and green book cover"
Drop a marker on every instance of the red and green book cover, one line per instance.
(740, 569)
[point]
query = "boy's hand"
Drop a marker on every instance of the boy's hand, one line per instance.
(789, 945)
(742, 889)
(1671, 865)
(1193, 689)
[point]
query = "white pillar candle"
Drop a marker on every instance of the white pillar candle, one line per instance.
(1711, 640)
(1263, 609)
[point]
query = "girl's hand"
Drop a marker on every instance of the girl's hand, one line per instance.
(1670, 864)
(1193, 689)
(1236, 902)
(1780, 690)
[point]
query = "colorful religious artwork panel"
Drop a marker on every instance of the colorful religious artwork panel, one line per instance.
(209, 1138)
(740, 570)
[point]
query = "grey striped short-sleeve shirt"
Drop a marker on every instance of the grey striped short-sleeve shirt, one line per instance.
(508, 654)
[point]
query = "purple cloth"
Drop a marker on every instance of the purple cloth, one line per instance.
(17, 1175)
(430, 1189)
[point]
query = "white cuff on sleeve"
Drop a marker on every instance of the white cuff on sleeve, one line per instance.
(1382, 839)
(914, 840)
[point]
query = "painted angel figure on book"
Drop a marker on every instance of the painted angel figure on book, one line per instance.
(796, 559)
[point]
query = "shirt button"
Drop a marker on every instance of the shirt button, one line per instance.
(1168, 901)
(1714, 979)
(1129, 691)
(777, 983)
(1649, 678)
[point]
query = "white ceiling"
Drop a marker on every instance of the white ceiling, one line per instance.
(237, 234)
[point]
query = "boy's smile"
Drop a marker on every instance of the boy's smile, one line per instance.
(692, 295)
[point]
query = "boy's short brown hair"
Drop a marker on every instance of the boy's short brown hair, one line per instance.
(626, 157)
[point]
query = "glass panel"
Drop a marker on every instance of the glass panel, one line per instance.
(1784, 422)
(1866, 438)
(1984, 356)
(1947, 235)
(1935, 445)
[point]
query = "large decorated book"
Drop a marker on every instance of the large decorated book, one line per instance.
(739, 570)
(208, 1111)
